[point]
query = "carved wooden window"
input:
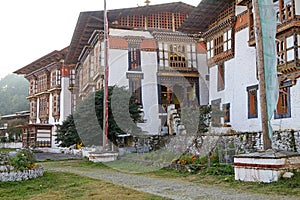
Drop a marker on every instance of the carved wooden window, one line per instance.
(102, 48)
(92, 65)
(134, 58)
(221, 43)
(251, 24)
(135, 85)
(32, 87)
(44, 109)
(42, 83)
(72, 77)
(55, 78)
(287, 52)
(163, 55)
(33, 110)
(252, 101)
(192, 56)
(221, 77)
(177, 56)
(284, 10)
(284, 103)
(56, 106)
(226, 110)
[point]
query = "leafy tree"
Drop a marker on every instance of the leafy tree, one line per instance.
(14, 90)
(87, 121)
(67, 134)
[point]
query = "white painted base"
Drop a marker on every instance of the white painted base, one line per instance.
(265, 167)
(103, 157)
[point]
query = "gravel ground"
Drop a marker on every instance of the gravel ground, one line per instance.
(41, 156)
(178, 190)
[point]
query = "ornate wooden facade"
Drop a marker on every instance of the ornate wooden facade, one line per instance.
(45, 97)
(149, 52)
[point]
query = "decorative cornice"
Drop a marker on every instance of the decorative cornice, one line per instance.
(173, 37)
(229, 23)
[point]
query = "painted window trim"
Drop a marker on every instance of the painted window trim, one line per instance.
(251, 88)
(288, 114)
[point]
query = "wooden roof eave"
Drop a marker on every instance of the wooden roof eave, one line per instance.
(95, 21)
(203, 15)
(54, 56)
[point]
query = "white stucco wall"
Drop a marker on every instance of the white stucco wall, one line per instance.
(118, 67)
(297, 7)
(240, 72)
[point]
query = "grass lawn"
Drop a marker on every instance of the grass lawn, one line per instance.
(56, 186)
(7, 149)
(213, 177)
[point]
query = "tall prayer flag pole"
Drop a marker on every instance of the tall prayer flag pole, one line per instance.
(265, 31)
(105, 98)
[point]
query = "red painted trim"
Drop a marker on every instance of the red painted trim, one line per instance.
(269, 166)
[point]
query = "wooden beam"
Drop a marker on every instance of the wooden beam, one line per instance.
(261, 73)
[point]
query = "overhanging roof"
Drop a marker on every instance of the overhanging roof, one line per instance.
(89, 21)
(54, 56)
(203, 15)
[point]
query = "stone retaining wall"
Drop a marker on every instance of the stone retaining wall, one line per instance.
(13, 145)
(21, 175)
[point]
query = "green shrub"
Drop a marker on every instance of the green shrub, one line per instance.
(23, 160)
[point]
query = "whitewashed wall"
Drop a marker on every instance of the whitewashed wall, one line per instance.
(240, 73)
(297, 6)
(118, 67)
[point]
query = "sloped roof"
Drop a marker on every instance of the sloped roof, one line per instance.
(93, 20)
(54, 56)
(204, 14)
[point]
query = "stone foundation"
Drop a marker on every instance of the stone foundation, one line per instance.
(21, 175)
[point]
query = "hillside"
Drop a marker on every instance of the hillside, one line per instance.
(13, 90)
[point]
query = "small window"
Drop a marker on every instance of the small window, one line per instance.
(135, 85)
(221, 77)
(283, 109)
(134, 58)
(226, 110)
(252, 101)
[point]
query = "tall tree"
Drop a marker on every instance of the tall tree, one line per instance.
(14, 90)
(87, 121)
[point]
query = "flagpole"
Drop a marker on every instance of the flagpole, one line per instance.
(261, 74)
(105, 88)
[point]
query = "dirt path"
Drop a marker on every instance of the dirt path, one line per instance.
(174, 189)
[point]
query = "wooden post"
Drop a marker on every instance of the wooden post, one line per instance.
(261, 75)
(105, 86)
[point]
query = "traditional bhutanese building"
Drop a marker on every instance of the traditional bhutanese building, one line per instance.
(147, 55)
(228, 30)
(49, 98)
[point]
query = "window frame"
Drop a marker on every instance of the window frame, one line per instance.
(221, 77)
(252, 101)
(284, 100)
(134, 58)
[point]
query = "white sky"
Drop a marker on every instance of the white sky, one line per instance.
(31, 29)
